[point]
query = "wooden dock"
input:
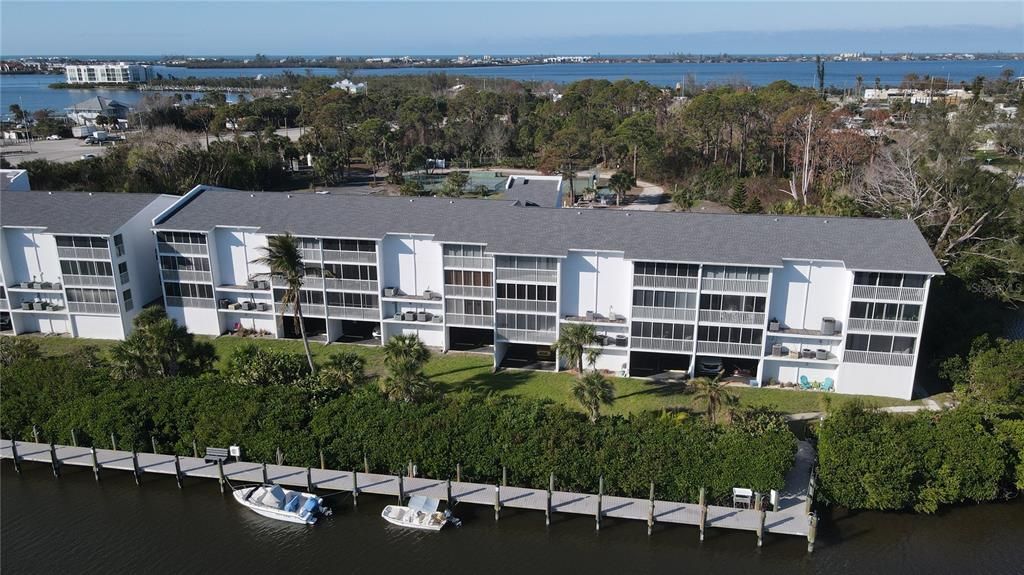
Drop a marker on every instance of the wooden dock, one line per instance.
(793, 516)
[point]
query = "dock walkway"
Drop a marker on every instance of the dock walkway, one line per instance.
(792, 517)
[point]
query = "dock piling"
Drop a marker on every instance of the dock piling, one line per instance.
(650, 513)
(497, 501)
(152, 439)
(220, 475)
(703, 512)
(812, 532)
(195, 449)
(74, 438)
(759, 508)
(811, 486)
(448, 487)
(355, 488)
(600, 497)
(401, 489)
(323, 464)
(309, 480)
(35, 433)
(177, 471)
(95, 463)
(280, 457)
(547, 508)
(458, 473)
(504, 476)
(265, 474)
(54, 461)
(14, 456)
(366, 465)
(113, 441)
(135, 467)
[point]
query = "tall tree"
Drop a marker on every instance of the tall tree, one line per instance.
(284, 258)
(621, 182)
(738, 199)
(159, 347)
(714, 394)
(404, 357)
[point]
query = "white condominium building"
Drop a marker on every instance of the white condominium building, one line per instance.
(76, 263)
(769, 298)
(108, 73)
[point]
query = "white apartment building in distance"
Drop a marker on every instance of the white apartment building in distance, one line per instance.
(773, 298)
(108, 73)
(76, 263)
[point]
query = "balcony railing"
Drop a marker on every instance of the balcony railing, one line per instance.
(352, 285)
(338, 312)
(91, 307)
(187, 276)
(729, 349)
(83, 253)
(739, 317)
(884, 325)
(470, 320)
(174, 248)
(350, 257)
(308, 309)
(734, 285)
(88, 280)
(535, 276)
(669, 282)
(486, 292)
(468, 262)
(310, 255)
(174, 301)
(662, 344)
(888, 293)
(669, 313)
(526, 335)
(879, 358)
(525, 305)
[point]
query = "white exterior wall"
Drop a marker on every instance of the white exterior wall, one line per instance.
(884, 380)
(804, 292)
(30, 255)
(595, 281)
(140, 254)
(97, 326)
(202, 321)
(413, 264)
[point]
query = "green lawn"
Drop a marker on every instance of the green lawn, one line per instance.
(457, 371)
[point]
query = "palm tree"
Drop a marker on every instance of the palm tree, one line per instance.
(344, 370)
(404, 356)
(714, 394)
(592, 389)
(284, 258)
(572, 342)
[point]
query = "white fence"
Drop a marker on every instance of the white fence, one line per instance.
(889, 293)
(884, 325)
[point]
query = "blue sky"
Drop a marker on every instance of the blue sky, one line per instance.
(145, 27)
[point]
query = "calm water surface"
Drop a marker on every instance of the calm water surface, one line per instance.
(73, 525)
(32, 93)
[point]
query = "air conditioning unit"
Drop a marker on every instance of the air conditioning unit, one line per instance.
(828, 326)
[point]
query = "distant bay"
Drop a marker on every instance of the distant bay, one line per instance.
(32, 91)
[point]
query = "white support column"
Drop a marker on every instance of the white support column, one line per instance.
(696, 321)
(767, 318)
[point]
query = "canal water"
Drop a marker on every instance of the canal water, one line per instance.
(74, 525)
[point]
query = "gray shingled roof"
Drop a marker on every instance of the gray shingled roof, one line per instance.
(538, 192)
(71, 212)
(96, 104)
(861, 243)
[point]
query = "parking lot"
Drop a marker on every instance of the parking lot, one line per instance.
(66, 150)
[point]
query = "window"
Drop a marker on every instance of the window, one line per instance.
(126, 295)
(732, 302)
(881, 343)
(353, 272)
(661, 330)
(463, 250)
(729, 334)
(91, 295)
(468, 278)
(877, 310)
(736, 273)
(185, 263)
(526, 321)
(531, 292)
(361, 300)
(177, 289)
(469, 307)
(86, 268)
(669, 299)
(119, 245)
(181, 237)
(305, 296)
(122, 270)
(665, 269)
(525, 263)
(350, 245)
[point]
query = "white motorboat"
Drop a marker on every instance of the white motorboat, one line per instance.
(420, 513)
(276, 502)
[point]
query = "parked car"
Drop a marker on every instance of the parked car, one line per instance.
(54, 137)
(91, 141)
(88, 156)
(708, 366)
